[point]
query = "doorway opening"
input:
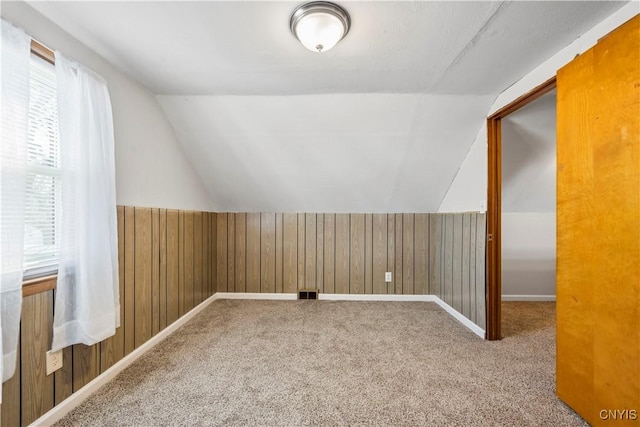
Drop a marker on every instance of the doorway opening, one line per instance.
(494, 207)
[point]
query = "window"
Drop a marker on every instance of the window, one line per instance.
(43, 199)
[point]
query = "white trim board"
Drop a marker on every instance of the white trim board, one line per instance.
(255, 295)
(528, 297)
(70, 403)
(362, 297)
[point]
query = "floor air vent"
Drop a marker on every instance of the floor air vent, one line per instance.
(307, 294)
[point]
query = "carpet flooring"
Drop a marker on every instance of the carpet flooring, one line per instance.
(292, 363)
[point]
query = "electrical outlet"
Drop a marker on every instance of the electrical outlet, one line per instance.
(387, 277)
(54, 361)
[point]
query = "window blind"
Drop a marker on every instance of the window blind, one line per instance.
(43, 192)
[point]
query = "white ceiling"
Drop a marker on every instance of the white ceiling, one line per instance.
(381, 122)
(246, 48)
(529, 157)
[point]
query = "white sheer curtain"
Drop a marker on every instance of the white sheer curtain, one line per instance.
(87, 305)
(14, 92)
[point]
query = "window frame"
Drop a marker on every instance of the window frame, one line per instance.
(36, 284)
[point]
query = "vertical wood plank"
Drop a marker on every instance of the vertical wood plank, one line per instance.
(231, 247)
(472, 268)
(129, 280)
(329, 253)
(221, 252)
(10, 409)
(279, 253)
(342, 261)
(357, 252)
(391, 252)
(86, 365)
(267, 252)
(241, 256)
(253, 252)
(163, 268)
(368, 254)
(421, 254)
(290, 252)
(206, 258)
(399, 255)
(435, 254)
(481, 232)
(320, 252)
(448, 259)
(408, 249)
(213, 244)
(112, 349)
(457, 262)
(143, 315)
(197, 258)
(155, 271)
(63, 377)
(37, 387)
(189, 278)
(466, 290)
(311, 232)
(301, 251)
(181, 264)
(173, 269)
(379, 253)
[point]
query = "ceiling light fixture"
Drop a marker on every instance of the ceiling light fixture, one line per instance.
(319, 25)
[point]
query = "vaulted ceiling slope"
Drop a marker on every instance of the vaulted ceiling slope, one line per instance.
(381, 123)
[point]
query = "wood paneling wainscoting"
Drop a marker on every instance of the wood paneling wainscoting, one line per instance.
(334, 253)
(172, 260)
(167, 267)
(438, 254)
(457, 263)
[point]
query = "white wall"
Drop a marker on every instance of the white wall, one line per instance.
(529, 201)
(468, 190)
(528, 255)
(339, 152)
(151, 168)
(529, 157)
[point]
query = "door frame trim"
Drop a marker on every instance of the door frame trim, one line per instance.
(493, 265)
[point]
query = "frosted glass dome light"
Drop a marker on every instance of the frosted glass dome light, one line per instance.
(319, 25)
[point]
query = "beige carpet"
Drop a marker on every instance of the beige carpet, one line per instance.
(291, 363)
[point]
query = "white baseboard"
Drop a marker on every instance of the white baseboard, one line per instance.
(376, 297)
(255, 295)
(460, 318)
(424, 298)
(528, 297)
(67, 405)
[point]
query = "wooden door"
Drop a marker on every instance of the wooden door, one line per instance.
(598, 223)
